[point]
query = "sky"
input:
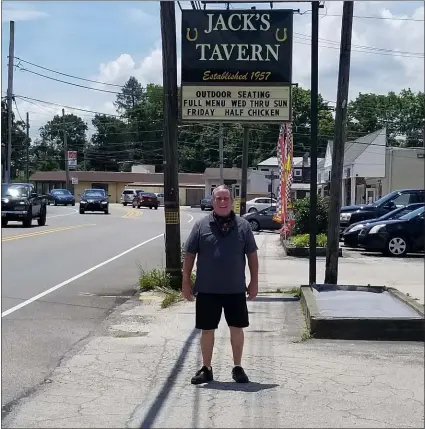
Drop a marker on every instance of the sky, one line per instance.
(109, 41)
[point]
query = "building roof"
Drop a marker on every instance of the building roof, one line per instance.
(121, 177)
(297, 162)
(354, 149)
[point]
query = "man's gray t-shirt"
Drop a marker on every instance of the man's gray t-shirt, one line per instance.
(221, 256)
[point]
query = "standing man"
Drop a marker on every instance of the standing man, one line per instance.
(221, 241)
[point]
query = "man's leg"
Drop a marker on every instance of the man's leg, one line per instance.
(207, 346)
(236, 313)
(237, 341)
(208, 314)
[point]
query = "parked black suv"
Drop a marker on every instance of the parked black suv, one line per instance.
(20, 202)
(386, 204)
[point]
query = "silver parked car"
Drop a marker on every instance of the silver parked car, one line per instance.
(160, 197)
(128, 195)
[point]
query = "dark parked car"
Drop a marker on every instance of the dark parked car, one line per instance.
(146, 199)
(206, 203)
(395, 237)
(263, 219)
(94, 200)
(20, 202)
(60, 196)
(386, 204)
(350, 234)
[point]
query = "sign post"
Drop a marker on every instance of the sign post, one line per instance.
(237, 66)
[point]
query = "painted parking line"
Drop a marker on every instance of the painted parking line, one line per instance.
(132, 214)
(43, 232)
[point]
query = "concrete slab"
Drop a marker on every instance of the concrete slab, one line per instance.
(362, 312)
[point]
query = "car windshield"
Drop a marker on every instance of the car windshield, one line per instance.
(89, 194)
(413, 214)
(61, 192)
(384, 199)
(128, 192)
(13, 191)
(147, 194)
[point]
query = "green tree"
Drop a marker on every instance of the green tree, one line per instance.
(131, 95)
(51, 138)
(18, 156)
(402, 114)
(110, 144)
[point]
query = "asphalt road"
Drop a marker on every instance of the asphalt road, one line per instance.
(61, 280)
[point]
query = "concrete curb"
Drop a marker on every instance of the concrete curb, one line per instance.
(348, 328)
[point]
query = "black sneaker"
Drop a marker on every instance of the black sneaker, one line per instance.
(238, 374)
(204, 375)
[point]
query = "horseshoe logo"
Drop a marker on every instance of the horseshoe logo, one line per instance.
(285, 35)
(191, 39)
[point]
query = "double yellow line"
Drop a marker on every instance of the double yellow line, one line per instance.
(133, 214)
(43, 232)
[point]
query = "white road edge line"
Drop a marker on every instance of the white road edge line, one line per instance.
(66, 282)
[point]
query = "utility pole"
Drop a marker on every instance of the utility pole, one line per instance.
(27, 147)
(171, 179)
(313, 138)
(244, 183)
(220, 149)
(331, 273)
(9, 101)
(65, 148)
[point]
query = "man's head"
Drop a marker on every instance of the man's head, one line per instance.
(222, 201)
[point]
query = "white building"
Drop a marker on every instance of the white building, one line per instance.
(371, 169)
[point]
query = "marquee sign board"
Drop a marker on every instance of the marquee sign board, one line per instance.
(236, 65)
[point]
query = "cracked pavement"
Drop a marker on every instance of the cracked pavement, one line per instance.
(135, 372)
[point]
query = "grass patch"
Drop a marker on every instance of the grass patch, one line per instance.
(171, 297)
(296, 291)
(306, 335)
(154, 279)
(303, 240)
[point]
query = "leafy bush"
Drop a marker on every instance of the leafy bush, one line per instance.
(303, 240)
(302, 215)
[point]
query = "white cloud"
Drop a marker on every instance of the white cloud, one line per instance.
(20, 12)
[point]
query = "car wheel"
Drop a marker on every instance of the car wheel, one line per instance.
(202, 208)
(252, 210)
(81, 211)
(73, 204)
(41, 221)
(106, 211)
(27, 222)
(125, 204)
(4, 222)
(397, 246)
(156, 207)
(150, 207)
(139, 206)
(255, 226)
(56, 203)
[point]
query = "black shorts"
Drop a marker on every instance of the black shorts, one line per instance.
(210, 306)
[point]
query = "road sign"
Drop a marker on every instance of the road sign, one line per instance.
(74, 180)
(236, 65)
(237, 205)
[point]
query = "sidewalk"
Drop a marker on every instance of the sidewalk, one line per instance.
(135, 372)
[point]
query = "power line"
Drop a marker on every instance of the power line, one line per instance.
(389, 18)
(68, 75)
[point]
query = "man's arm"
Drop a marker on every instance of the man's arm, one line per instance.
(252, 256)
(190, 250)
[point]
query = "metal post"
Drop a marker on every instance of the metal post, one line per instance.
(313, 138)
(171, 180)
(244, 181)
(8, 174)
(65, 149)
(27, 147)
(220, 149)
